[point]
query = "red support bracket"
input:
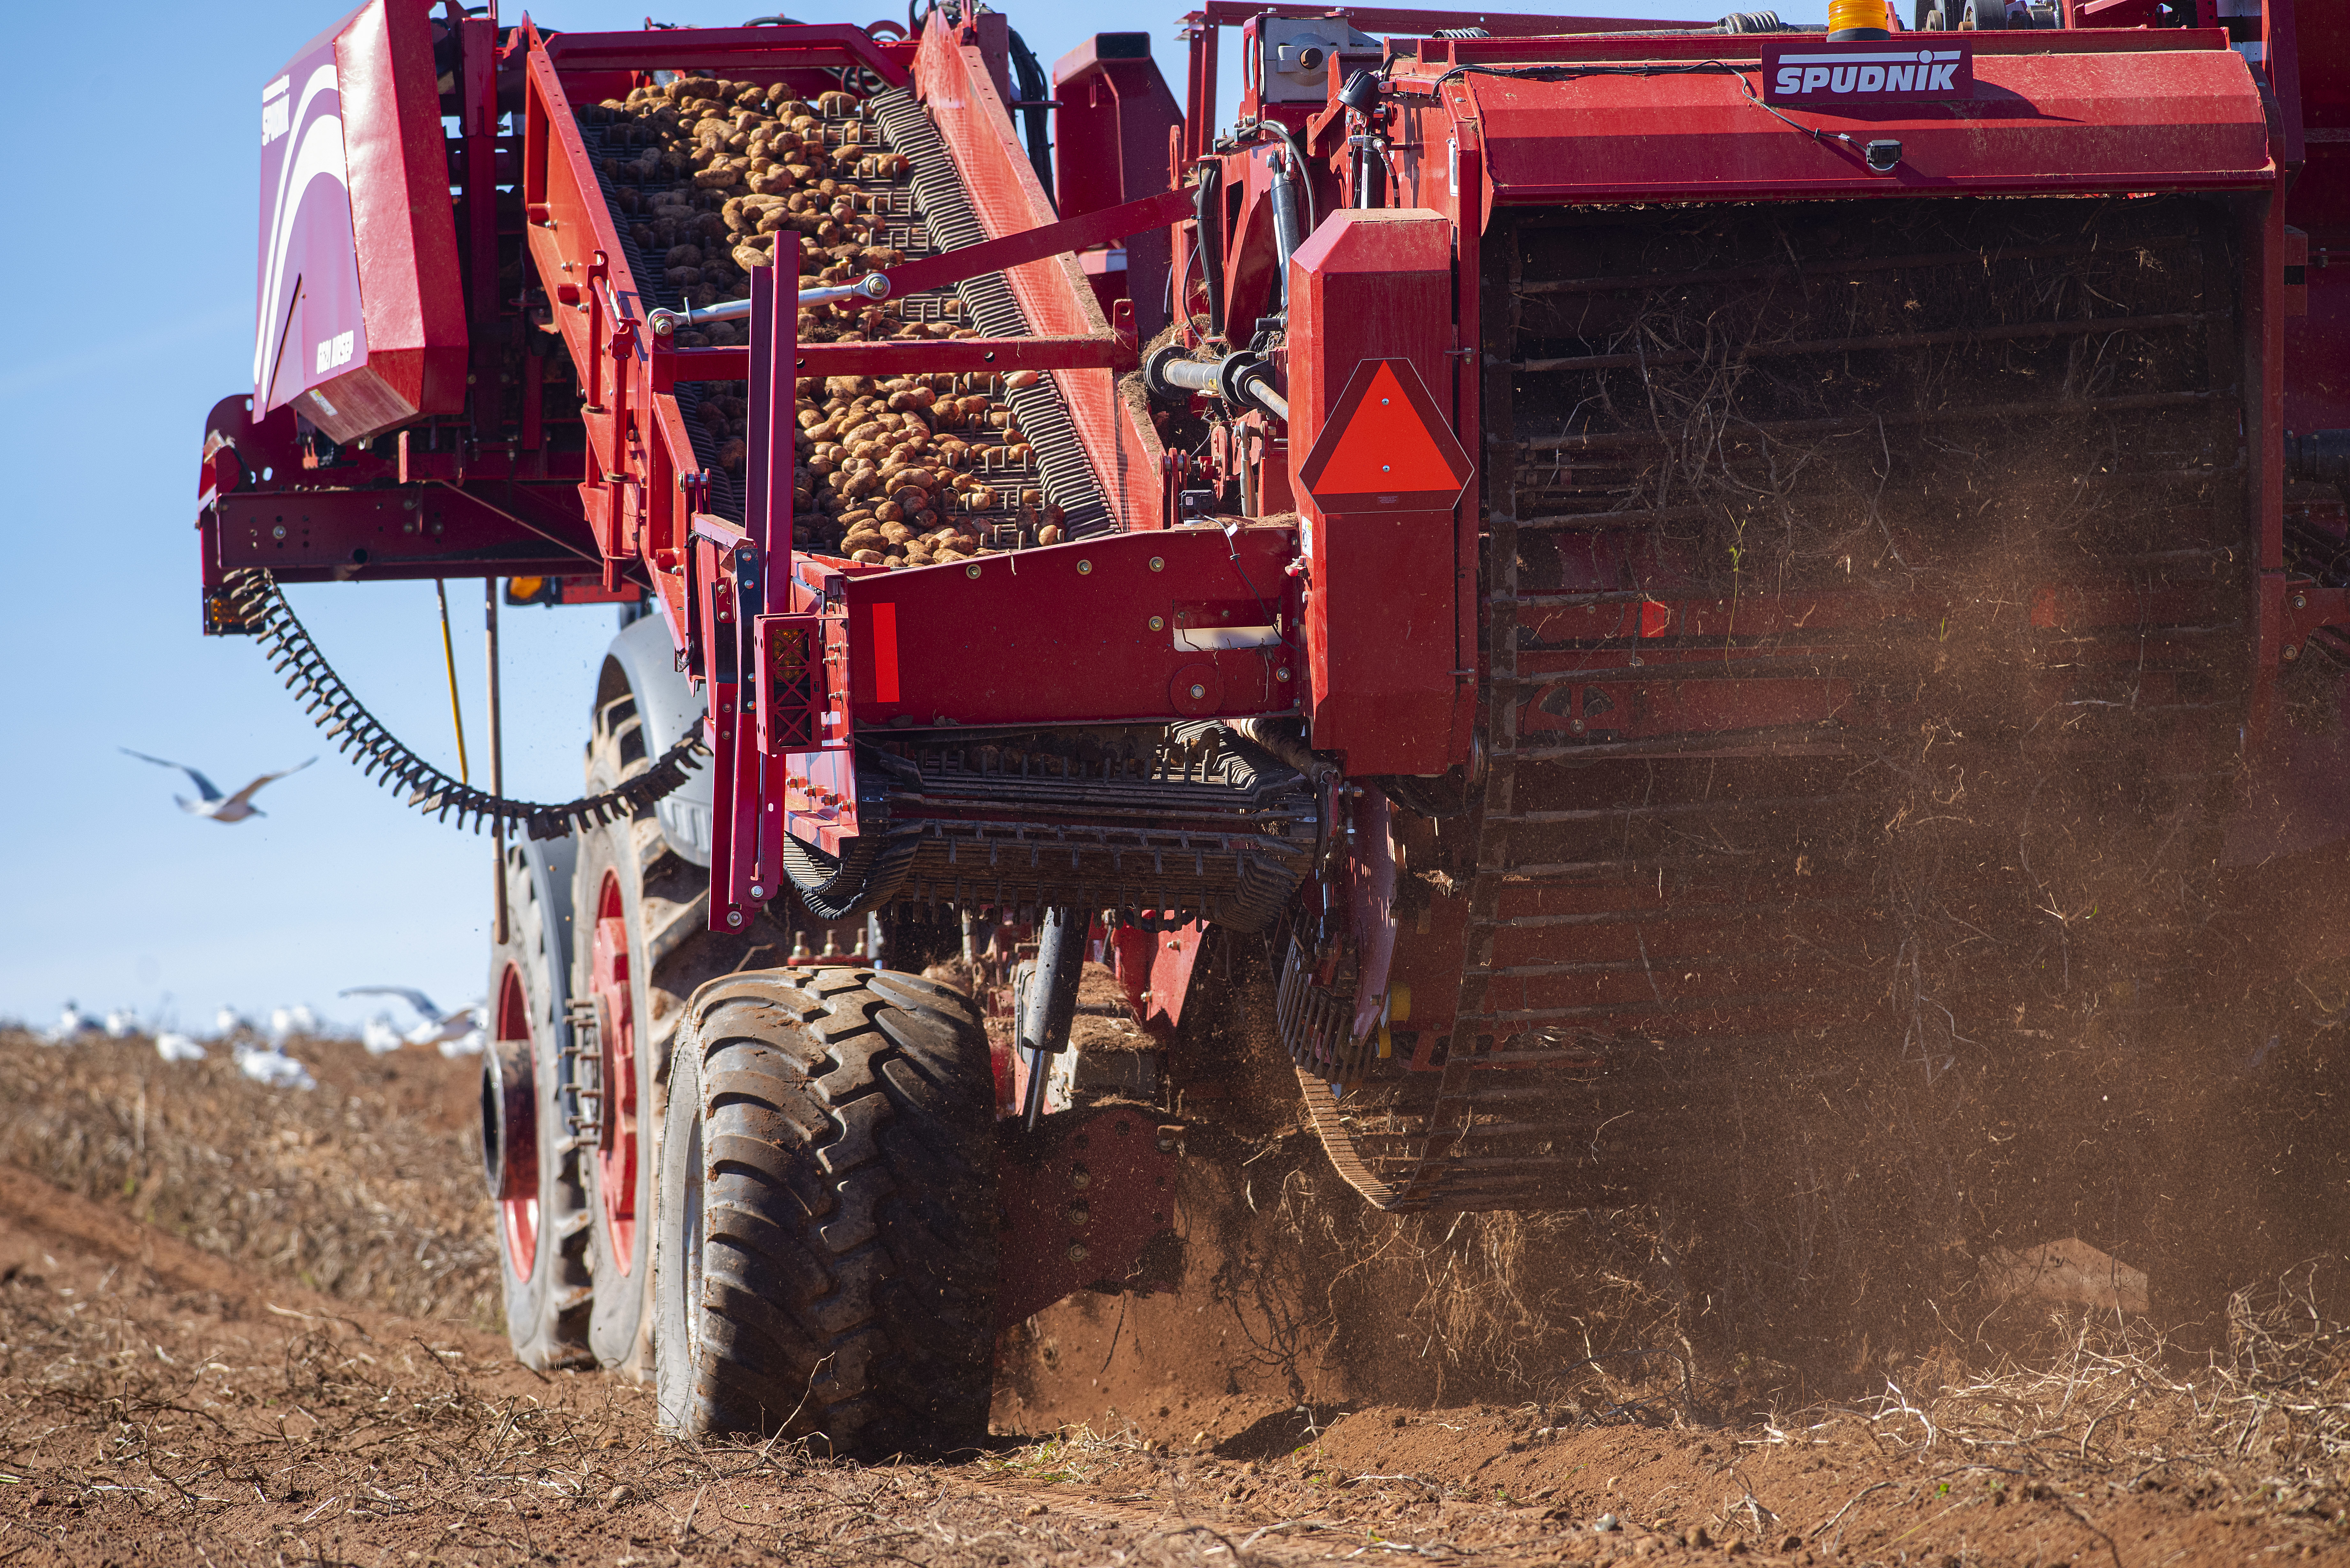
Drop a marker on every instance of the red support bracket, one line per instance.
(1082, 1200)
(935, 356)
(1035, 244)
(2309, 610)
(789, 683)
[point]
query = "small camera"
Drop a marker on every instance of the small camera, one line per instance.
(1883, 155)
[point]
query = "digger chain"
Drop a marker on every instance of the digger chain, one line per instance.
(261, 603)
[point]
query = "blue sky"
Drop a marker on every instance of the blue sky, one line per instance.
(131, 282)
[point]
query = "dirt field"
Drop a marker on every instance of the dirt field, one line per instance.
(245, 1326)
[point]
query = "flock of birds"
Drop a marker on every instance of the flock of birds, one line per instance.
(259, 1049)
(260, 1052)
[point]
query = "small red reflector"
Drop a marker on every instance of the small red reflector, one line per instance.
(1655, 619)
(1385, 445)
(885, 652)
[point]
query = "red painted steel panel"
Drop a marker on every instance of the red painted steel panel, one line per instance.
(360, 314)
(729, 49)
(1065, 634)
(1081, 1198)
(1110, 146)
(1380, 614)
(2046, 123)
(931, 357)
(1154, 971)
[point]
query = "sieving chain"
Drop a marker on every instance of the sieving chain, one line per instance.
(261, 603)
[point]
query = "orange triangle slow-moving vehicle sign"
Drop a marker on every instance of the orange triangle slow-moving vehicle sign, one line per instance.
(1385, 447)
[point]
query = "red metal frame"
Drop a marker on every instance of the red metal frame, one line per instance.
(1080, 1206)
(1380, 644)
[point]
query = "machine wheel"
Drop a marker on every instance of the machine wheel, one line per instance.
(642, 948)
(534, 1167)
(828, 1263)
(1985, 16)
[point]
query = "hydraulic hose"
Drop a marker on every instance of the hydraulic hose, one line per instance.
(1034, 89)
(1285, 237)
(1208, 243)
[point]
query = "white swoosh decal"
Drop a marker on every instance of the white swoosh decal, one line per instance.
(320, 152)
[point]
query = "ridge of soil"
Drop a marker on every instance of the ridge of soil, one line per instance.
(190, 1395)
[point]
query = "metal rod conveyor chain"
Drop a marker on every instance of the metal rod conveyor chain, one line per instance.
(261, 605)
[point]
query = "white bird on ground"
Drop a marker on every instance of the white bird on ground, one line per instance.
(284, 1022)
(439, 1028)
(268, 1065)
(213, 804)
(121, 1023)
(229, 1021)
(469, 1043)
(379, 1037)
(173, 1046)
(72, 1024)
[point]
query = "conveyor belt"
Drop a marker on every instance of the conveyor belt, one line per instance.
(1069, 480)
(928, 214)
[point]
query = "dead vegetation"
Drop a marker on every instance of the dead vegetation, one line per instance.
(1516, 1380)
(367, 1187)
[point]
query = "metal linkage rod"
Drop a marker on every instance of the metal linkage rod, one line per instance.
(1051, 1004)
(872, 286)
(1242, 379)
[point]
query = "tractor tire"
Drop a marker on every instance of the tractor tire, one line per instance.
(536, 1170)
(641, 948)
(827, 1251)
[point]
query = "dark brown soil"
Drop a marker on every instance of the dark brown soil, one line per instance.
(194, 1400)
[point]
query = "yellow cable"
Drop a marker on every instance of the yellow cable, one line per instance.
(448, 662)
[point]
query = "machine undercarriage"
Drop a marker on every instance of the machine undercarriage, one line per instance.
(1631, 587)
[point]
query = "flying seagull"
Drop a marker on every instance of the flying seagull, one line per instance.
(425, 1008)
(439, 1028)
(220, 808)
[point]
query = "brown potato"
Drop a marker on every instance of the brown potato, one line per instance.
(1014, 380)
(867, 557)
(748, 255)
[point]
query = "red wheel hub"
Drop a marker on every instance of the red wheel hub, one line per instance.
(518, 1190)
(616, 1030)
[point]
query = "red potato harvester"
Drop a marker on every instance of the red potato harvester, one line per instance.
(1641, 559)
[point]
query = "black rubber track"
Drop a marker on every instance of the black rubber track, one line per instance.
(829, 1229)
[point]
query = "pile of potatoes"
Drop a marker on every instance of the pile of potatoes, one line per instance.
(707, 173)
(916, 471)
(910, 471)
